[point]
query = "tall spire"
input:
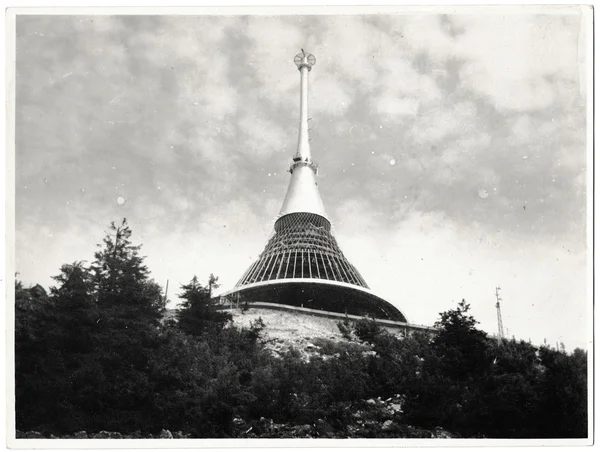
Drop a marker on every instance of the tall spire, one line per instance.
(303, 194)
(305, 63)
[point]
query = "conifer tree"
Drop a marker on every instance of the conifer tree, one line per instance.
(459, 343)
(199, 312)
(121, 279)
(126, 335)
(32, 356)
(74, 309)
(53, 336)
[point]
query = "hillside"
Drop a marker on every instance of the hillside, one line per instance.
(286, 329)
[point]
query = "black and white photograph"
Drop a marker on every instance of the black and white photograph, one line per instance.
(333, 226)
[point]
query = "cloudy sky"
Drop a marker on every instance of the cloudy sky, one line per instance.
(452, 151)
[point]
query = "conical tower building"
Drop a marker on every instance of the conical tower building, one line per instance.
(302, 264)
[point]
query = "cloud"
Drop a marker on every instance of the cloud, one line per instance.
(440, 123)
(262, 137)
(193, 120)
(532, 67)
(394, 106)
(349, 45)
(271, 60)
(329, 96)
(424, 34)
(512, 69)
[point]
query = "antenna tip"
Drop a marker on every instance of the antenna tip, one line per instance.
(304, 59)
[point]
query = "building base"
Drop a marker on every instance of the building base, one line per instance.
(319, 295)
(300, 322)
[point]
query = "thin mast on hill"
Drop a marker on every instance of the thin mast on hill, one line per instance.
(500, 327)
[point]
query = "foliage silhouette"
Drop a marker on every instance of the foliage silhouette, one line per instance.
(200, 312)
(94, 354)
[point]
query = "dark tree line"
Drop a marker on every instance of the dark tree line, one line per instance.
(95, 353)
